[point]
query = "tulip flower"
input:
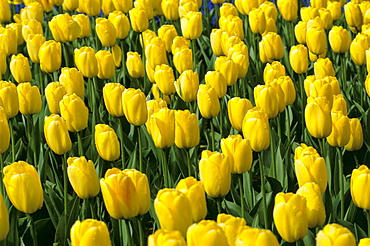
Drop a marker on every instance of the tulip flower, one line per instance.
(123, 5)
(316, 40)
(356, 137)
(290, 216)
(339, 39)
(217, 81)
(20, 68)
(84, 23)
(33, 10)
(191, 25)
(112, 94)
(29, 99)
(70, 5)
(161, 126)
(23, 186)
(298, 57)
(364, 242)
(183, 60)
(319, 88)
(187, 133)
(91, 7)
(90, 232)
(50, 55)
(163, 237)
(237, 108)
(121, 24)
(4, 132)
(339, 104)
(74, 112)
(86, 61)
(187, 85)
(232, 23)
(167, 33)
(194, 191)
(5, 15)
(310, 167)
(106, 142)
(256, 129)
(179, 43)
(288, 9)
(326, 18)
(4, 218)
(73, 81)
(245, 7)
(56, 134)
(173, 210)
(316, 214)
(134, 65)
(335, 9)
(206, 232)
(209, 105)
(257, 21)
(271, 47)
(287, 86)
(340, 132)
(228, 68)
(353, 15)
(82, 176)
(28, 27)
(155, 52)
(300, 31)
(359, 187)
(215, 39)
(106, 66)
(334, 234)
(215, 173)
(358, 48)
(3, 62)
(170, 9)
(64, 28)
(318, 117)
(54, 92)
(34, 42)
(106, 32)
(165, 78)
(154, 106)
(9, 98)
(8, 40)
(134, 106)
(231, 225)
(270, 98)
(239, 152)
(255, 237)
(138, 19)
(17, 28)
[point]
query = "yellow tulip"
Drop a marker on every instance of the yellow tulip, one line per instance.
(353, 15)
(318, 117)
(271, 47)
(356, 138)
(106, 142)
(50, 55)
(339, 39)
(106, 65)
(86, 61)
(187, 133)
(134, 65)
(237, 108)
(3, 62)
(155, 105)
(112, 94)
(4, 218)
(217, 81)
(164, 78)
(183, 60)
(54, 92)
(4, 131)
(231, 225)
(300, 31)
(155, 52)
(31, 27)
(123, 5)
(82, 176)
(161, 126)
(298, 57)
(90, 7)
(134, 106)
(327, 19)
(339, 104)
(139, 20)
(90, 232)
(187, 85)
(239, 54)
(288, 9)
(359, 187)
(256, 129)
(84, 23)
(70, 5)
(255, 237)
(163, 237)
(206, 232)
(17, 27)
(74, 112)
(232, 23)
(121, 24)
(358, 48)
(257, 21)
(179, 43)
(335, 9)
(73, 81)
(33, 10)
(34, 42)
(334, 234)
(287, 86)
(273, 71)
(64, 28)
(319, 88)
(167, 33)
(316, 40)
(340, 133)
(239, 152)
(106, 32)
(4, 16)
(228, 68)
(20, 68)
(215, 39)
(56, 134)
(208, 103)
(23, 186)
(170, 9)
(191, 25)
(9, 98)
(270, 98)
(8, 40)
(29, 99)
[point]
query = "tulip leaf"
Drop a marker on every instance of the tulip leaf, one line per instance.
(13, 236)
(234, 209)
(309, 239)
(54, 205)
(359, 232)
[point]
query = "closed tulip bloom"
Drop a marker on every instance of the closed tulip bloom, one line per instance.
(117, 55)
(90, 7)
(288, 9)
(298, 57)
(155, 52)
(237, 108)
(34, 42)
(256, 129)
(123, 5)
(319, 88)
(173, 210)
(9, 98)
(17, 27)
(106, 32)
(191, 25)
(166, 238)
(215, 173)
(186, 6)
(20, 68)
(155, 105)
(239, 152)
(29, 99)
(318, 117)
(74, 112)
(165, 79)
(140, 181)
(121, 198)
(106, 142)
(56, 134)
(335, 9)
(290, 216)
(208, 103)
(86, 61)
(70, 5)
(134, 65)
(339, 104)
(254, 237)
(121, 24)
(359, 187)
(4, 132)
(340, 132)
(318, 4)
(326, 18)
(353, 15)
(228, 9)
(187, 85)
(73, 81)
(54, 92)
(232, 23)
(134, 106)
(139, 20)
(270, 98)
(310, 167)
(323, 67)
(146, 5)
(231, 225)
(4, 16)
(273, 71)
(187, 133)
(228, 41)
(339, 39)
(239, 54)
(167, 33)
(23, 186)
(82, 176)
(183, 60)
(257, 21)
(194, 191)
(170, 9)
(3, 62)
(316, 214)
(215, 38)
(90, 232)
(50, 55)
(271, 47)
(84, 23)
(112, 94)
(106, 65)
(300, 31)
(334, 234)
(228, 68)
(364, 242)
(206, 232)
(64, 28)
(161, 126)
(149, 71)
(217, 81)
(316, 40)
(31, 27)
(4, 218)
(358, 48)
(245, 7)
(8, 40)
(356, 138)
(287, 86)
(33, 10)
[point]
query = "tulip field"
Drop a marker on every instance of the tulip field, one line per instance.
(184, 122)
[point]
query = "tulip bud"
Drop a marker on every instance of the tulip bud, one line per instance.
(139, 20)
(161, 126)
(310, 167)
(50, 55)
(217, 81)
(339, 39)
(256, 129)
(20, 68)
(74, 112)
(167, 33)
(335, 9)
(239, 54)
(339, 104)
(323, 68)
(287, 86)
(228, 9)
(4, 133)
(318, 117)
(290, 216)
(173, 210)
(170, 9)
(84, 23)
(33, 10)
(206, 232)
(106, 32)
(183, 60)
(29, 99)
(359, 187)
(239, 152)
(288, 9)
(86, 61)
(231, 226)
(187, 85)
(4, 218)
(9, 98)
(34, 42)
(64, 28)
(270, 98)
(106, 65)
(106, 142)
(358, 47)
(215, 39)
(194, 191)
(155, 52)
(298, 57)
(353, 15)
(232, 23)
(23, 186)
(319, 88)
(56, 134)
(273, 71)
(215, 173)
(121, 24)
(134, 65)
(179, 43)
(4, 17)
(187, 134)
(17, 28)
(123, 5)
(300, 31)
(191, 25)
(356, 137)
(237, 108)
(336, 235)
(82, 176)
(112, 94)
(271, 47)
(134, 106)
(163, 237)
(165, 79)
(90, 232)
(340, 132)
(73, 81)
(155, 105)
(255, 236)
(91, 7)
(326, 18)
(257, 21)
(70, 5)
(228, 68)
(8, 40)
(208, 103)
(30, 27)
(316, 40)
(316, 214)
(54, 92)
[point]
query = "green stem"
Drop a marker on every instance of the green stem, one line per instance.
(121, 232)
(303, 104)
(367, 212)
(92, 211)
(272, 153)
(212, 135)
(264, 206)
(164, 168)
(341, 182)
(33, 229)
(188, 162)
(219, 208)
(2, 190)
(79, 144)
(12, 139)
(344, 82)
(221, 118)
(127, 229)
(217, 13)
(241, 188)
(141, 231)
(65, 187)
(122, 144)
(140, 150)
(194, 51)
